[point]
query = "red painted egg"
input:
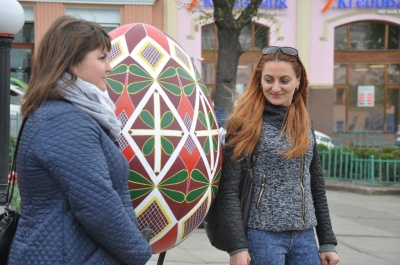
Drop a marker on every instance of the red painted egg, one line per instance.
(169, 133)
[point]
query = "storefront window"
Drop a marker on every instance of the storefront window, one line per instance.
(109, 28)
(208, 37)
(20, 64)
(26, 34)
(367, 36)
(394, 73)
(392, 109)
(367, 94)
(341, 38)
(340, 74)
(340, 96)
(21, 53)
(245, 38)
(242, 76)
(208, 73)
(394, 37)
(366, 98)
(362, 36)
(254, 37)
(260, 36)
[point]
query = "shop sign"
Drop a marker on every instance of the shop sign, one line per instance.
(278, 4)
(364, 4)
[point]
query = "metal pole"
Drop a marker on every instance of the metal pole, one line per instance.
(5, 47)
(161, 258)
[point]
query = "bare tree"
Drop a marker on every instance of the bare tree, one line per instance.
(229, 24)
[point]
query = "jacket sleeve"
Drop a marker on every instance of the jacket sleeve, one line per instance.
(229, 210)
(74, 157)
(324, 227)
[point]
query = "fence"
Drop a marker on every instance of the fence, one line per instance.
(342, 163)
(362, 139)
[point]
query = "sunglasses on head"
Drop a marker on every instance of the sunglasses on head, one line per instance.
(285, 50)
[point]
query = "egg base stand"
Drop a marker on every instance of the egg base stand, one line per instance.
(161, 258)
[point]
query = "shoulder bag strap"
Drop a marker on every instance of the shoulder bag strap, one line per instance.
(11, 181)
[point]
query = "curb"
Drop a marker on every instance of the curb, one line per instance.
(362, 188)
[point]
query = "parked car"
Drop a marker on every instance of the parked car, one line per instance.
(324, 139)
(16, 94)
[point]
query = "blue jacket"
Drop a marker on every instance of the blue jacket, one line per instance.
(73, 181)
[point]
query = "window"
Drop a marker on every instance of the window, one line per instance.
(261, 34)
(367, 77)
(26, 34)
(252, 37)
(109, 18)
(21, 52)
(394, 37)
(208, 37)
(394, 73)
(341, 38)
(367, 36)
(109, 27)
(20, 63)
(208, 73)
(339, 71)
(362, 36)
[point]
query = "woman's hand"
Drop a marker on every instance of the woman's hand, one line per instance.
(240, 258)
(329, 258)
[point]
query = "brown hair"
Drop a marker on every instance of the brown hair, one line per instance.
(245, 123)
(63, 46)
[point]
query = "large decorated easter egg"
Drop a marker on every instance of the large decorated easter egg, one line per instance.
(169, 133)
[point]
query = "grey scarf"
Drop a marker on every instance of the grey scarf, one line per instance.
(93, 101)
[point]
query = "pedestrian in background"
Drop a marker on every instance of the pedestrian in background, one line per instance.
(73, 178)
(288, 197)
(221, 119)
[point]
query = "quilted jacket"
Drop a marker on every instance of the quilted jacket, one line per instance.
(276, 211)
(73, 181)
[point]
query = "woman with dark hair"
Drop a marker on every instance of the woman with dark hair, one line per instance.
(271, 122)
(72, 177)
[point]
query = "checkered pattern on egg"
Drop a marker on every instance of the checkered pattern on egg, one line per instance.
(169, 132)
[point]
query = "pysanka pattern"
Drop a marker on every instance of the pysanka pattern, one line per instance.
(169, 134)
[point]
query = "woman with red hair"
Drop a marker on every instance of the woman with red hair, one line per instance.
(288, 201)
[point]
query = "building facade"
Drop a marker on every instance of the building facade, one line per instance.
(350, 48)
(39, 15)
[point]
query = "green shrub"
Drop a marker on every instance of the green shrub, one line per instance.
(11, 141)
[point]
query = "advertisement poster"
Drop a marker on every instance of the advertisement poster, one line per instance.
(365, 96)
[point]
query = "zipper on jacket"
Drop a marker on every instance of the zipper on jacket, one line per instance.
(302, 189)
(262, 190)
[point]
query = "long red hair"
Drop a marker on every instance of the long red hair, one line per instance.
(245, 122)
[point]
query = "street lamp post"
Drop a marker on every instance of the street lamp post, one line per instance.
(12, 19)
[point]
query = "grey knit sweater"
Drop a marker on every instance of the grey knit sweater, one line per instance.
(281, 199)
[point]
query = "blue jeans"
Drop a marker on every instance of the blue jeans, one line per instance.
(283, 248)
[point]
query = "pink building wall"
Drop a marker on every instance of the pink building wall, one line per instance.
(322, 35)
(284, 31)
